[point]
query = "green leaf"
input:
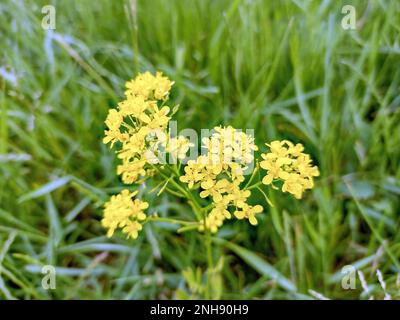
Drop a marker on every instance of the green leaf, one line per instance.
(46, 189)
(54, 221)
(258, 264)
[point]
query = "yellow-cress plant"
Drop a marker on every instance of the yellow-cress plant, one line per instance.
(213, 184)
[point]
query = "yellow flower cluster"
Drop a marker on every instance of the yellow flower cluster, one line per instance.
(219, 173)
(137, 117)
(139, 124)
(227, 145)
(148, 86)
(288, 163)
(178, 147)
(139, 127)
(123, 212)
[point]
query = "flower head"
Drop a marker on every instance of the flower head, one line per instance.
(113, 122)
(123, 212)
(193, 173)
(249, 212)
(288, 163)
(130, 126)
(149, 86)
(228, 145)
(178, 147)
(219, 174)
(134, 122)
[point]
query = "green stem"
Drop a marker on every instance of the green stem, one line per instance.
(175, 193)
(176, 185)
(193, 226)
(252, 177)
(170, 220)
(193, 202)
(200, 213)
(254, 185)
(265, 196)
(209, 263)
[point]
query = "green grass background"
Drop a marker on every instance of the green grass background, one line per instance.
(286, 69)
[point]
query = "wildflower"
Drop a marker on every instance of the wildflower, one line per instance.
(132, 170)
(123, 212)
(151, 155)
(178, 147)
(221, 207)
(134, 106)
(293, 184)
(219, 174)
(193, 173)
(158, 119)
(156, 143)
(148, 86)
(216, 216)
(134, 122)
(114, 119)
(162, 86)
(113, 122)
(138, 127)
(274, 170)
(132, 228)
(210, 173)
(215, 189)
(227, 145)
(236, 173)
(213, 221)
(133, 147)
(249, 212)
(288, 163)
(239, 197)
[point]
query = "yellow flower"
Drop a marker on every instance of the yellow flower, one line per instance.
(236, 172)
(123, 212)
(213, 222)
(134, 121)
(219, 173)
(149, 86)
(113, 122)
(228, 145)
(139, 125)
(158, 119)
(133, 147)
(132, 170)
(221, 207)
(294, 185)
(178, 147)
(210, 173)
(162, 87)
(134, 106)
(193, 173)
(249, 212)
(239, 197)
(304, 167)
(288, 163)
(215, 189)
(274, 169)
(132, 228)
(142, 85)
(216, 216)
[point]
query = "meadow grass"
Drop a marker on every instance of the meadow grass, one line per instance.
(286, 69)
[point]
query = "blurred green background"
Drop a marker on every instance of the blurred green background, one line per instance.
(286, 69)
